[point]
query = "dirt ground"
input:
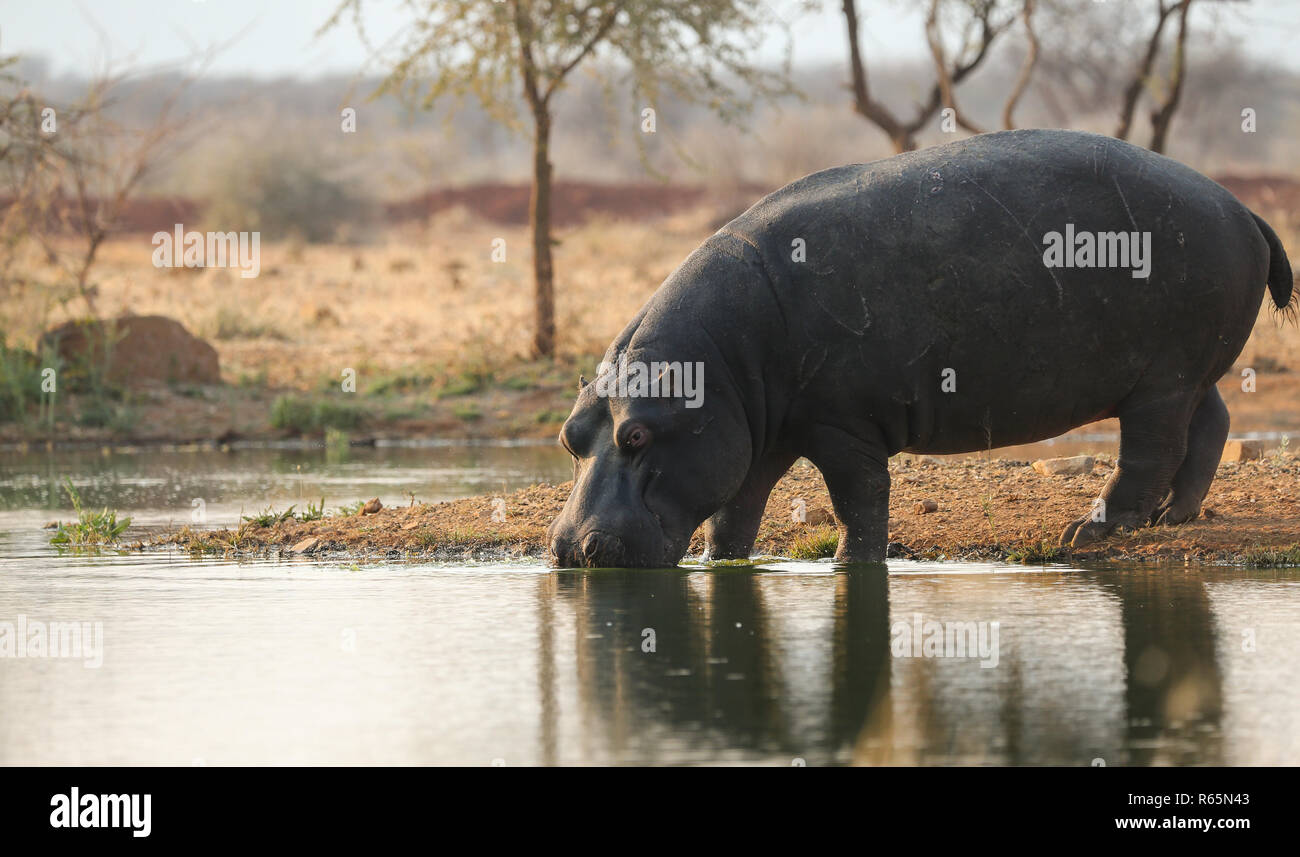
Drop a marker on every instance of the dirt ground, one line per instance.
(986, 509)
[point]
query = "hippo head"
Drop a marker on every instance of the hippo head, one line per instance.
(656, 451)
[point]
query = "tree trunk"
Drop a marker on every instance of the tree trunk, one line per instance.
(1163, 116)
(539, 218)
(1026, 69)
(904, 141)
(1133, 91)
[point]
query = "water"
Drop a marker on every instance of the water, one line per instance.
(211, 661)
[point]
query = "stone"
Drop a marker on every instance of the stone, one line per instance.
(1074, 465)
(1243, 450)
(307, 545)
(135, 350)
(820, 516)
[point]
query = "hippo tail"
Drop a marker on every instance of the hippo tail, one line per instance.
(1279, 269)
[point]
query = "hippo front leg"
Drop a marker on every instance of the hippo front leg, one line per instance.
(856, 471)
(730, 533)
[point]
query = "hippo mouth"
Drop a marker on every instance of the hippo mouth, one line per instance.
(645, 546)
(597, 548)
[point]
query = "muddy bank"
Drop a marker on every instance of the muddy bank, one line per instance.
(983, 509)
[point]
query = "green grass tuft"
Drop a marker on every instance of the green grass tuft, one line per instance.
(1287, 557)
(91, 528)
(817, 543)
(269, 517)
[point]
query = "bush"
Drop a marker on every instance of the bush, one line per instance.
(300, 415)
(20, 382)
(283, 195)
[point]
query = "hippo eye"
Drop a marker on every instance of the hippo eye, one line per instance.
(635, 437)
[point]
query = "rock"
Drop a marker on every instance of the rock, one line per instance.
(819, 516)
(924, 507)
(372, 506)
(1075, 465)
(307, 545)
(1243, 450)
(134, 350)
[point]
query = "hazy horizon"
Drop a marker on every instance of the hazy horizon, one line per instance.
(280, 40)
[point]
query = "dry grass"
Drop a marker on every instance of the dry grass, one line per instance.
(431, 300)
(425, 298)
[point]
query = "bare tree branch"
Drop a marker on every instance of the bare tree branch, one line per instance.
(1026, 68)
(1162, 116)
(1133, 91)
(942, 75)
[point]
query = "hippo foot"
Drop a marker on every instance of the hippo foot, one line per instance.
(712, 554)
(895, 550)
(1172, 512)
(1086, 531)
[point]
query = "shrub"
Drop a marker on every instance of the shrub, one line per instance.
(300, 415)
(284, 195)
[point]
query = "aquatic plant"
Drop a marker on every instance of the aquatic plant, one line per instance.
(90, 528)
(269, 517)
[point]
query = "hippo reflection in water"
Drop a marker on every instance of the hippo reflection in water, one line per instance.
(964, 297)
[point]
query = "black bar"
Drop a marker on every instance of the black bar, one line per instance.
(330, 805)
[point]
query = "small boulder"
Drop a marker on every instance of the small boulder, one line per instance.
(136, 349)
(925, 507)
(307, 545)
(819, 516)
(372, 506)
(1243, 450)
(1075, 465)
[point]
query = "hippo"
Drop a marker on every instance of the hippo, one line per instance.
(995, 291)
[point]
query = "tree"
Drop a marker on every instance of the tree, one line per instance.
(1026, 68)
(497, 52)
(68, 173)
(1162, 115)
(1142, 75)
(983, 25)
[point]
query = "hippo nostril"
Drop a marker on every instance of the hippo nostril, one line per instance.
(563, 553)
(602, 549)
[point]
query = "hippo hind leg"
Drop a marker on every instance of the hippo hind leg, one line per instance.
(1205, 439)
(1152, 445)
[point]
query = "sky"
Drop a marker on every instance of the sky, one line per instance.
(272, 38)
